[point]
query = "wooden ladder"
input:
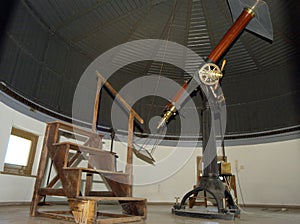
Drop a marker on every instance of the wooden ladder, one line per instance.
(84, 208)
(83, 203)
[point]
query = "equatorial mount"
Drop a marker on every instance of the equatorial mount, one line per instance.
(250, 14)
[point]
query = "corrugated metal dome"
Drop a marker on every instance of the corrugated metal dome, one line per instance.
(47, 45)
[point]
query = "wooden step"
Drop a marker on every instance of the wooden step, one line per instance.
(100, 159)
(73, 128)
(60, 192)
(52, 191)
(101, 194)
(100, 217)
(130, 205)
(90, 170)
(133, 209)
(117, 181)
(111, 198)
(83, 148)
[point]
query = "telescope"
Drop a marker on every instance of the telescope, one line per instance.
(255, 17)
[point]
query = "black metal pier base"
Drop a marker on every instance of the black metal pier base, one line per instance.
(226, 208)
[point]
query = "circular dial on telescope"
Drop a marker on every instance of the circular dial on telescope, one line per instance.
(209, 74)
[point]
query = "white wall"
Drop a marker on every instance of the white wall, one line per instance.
(17, 188)
(270, 173)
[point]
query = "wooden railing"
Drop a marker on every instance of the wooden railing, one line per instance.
(132, 115)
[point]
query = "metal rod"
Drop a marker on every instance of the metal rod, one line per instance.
(112, 136)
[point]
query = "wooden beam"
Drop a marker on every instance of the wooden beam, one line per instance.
(52, 191)
(89, 170)
(119, 220)
(101, 194)
(120, 98)
(96, 104)
(122, 199)
(129, 169)
(40, 173)
(56, 215)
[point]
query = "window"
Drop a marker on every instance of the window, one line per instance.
(20, 152)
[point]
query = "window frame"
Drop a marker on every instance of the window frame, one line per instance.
(20, 170)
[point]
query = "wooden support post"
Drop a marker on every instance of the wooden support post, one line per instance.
(89, 177)
(50, 136)
(71, 181)
(84, 211)
(40, 174)
(132, 114)
(129, 169)
(233, 186)
(96, 105)
(88, 182)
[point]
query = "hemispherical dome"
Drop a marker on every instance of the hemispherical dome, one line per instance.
(47, 45)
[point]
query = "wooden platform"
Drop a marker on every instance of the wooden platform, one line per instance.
(85, 210)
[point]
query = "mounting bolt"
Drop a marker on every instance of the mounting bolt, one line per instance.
(176, 200)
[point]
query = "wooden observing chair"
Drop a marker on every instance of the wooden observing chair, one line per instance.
(226, 176)
(76, 161)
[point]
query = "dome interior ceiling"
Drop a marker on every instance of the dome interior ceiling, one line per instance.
(53, 41)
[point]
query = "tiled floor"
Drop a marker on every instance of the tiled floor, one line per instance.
(162, 214)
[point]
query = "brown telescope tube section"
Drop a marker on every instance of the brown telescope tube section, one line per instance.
(228, 39)
(241, 22)
(178, 95)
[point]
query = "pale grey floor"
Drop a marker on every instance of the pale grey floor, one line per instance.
(162, 214)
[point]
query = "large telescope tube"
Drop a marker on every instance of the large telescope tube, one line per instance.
(188, 87)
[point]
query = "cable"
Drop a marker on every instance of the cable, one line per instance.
(239, 184)
(171, 20)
